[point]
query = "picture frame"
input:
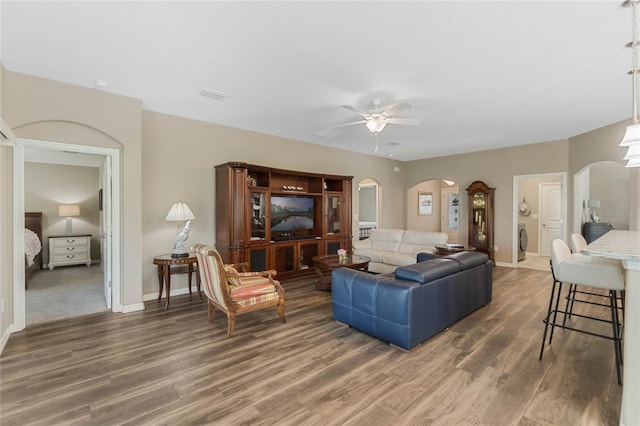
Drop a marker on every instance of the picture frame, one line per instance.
(425, 203)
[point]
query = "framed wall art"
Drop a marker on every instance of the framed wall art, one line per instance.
(425, 203)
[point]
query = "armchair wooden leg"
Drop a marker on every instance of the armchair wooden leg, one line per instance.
(231, 324)
(281, 312)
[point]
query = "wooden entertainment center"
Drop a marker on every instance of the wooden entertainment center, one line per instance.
(280, 219)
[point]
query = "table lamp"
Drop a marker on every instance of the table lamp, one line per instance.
(68, 211)
(594, 204)
(181, 213)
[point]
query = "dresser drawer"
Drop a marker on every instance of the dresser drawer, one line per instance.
(69, 250)
(70, 242)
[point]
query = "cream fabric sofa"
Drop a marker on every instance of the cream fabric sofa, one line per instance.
(390, 248)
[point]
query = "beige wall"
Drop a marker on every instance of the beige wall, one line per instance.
(178, 159)
(48, 185)
(37, 108)
(497, 169)
(425, 222)
(600, 145)
(167, 158)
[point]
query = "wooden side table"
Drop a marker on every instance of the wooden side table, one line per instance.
(165, 261)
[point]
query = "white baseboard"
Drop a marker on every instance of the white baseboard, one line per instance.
(508, 265)
(176, 292)
(132, 308)
(5, 337)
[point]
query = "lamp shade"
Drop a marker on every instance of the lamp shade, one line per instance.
(68, 210)
(180, 212)
(631, 136)
(594, 204)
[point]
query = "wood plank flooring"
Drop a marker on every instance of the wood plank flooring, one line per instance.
(173, 367)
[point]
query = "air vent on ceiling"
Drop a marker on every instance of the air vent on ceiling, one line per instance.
(219, 96)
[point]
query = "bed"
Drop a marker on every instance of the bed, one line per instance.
(32, 244)
(364, 229)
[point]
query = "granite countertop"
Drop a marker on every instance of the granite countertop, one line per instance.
(616, 244)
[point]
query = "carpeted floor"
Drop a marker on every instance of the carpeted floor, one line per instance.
(65, 292)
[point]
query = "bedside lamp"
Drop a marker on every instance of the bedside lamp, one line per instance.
(180, 212)
(69, 211)
(594, 204)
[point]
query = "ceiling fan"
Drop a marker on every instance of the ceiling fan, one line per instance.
(375, 120)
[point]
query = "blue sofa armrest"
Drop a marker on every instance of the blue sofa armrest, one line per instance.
(379, 305)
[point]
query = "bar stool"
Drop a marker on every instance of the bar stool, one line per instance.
(565, 269)
(578, 244)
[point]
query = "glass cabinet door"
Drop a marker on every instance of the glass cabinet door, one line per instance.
(258, 217)
(479, 203)
(333, 214)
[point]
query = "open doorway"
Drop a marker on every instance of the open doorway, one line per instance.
(62, 165)
(539, 216)
(71, 277)
(368, 208)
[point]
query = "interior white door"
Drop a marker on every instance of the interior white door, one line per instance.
(550, 215)
(450, 213)
(106, 230)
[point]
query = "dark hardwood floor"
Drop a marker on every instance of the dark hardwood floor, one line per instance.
(173, 367)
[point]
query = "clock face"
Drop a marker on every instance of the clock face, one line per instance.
(479, 201)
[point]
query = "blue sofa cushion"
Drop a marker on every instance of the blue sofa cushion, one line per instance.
(469, 259)
(429, 270)
(422, 256)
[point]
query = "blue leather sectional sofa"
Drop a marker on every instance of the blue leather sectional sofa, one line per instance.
(409, 306)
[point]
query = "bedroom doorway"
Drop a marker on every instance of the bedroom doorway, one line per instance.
(368, 196)
(107, 180)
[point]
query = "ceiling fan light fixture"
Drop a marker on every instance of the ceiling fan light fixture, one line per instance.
(376, 124)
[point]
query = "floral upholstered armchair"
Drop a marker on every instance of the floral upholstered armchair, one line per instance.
(236, 292)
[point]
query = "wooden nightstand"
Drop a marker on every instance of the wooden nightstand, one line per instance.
(69, 250)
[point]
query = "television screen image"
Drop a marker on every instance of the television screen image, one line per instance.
(291, 213)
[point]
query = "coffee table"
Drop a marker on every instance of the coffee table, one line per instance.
(325, 264)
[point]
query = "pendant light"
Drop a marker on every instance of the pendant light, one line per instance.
(631, 137)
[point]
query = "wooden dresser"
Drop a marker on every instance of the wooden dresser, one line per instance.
(69, 250)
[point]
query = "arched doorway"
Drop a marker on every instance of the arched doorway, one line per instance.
(368, 206)
(442, 213)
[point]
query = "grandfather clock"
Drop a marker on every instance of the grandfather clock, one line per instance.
(481, 217)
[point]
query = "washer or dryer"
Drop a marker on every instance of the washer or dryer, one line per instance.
(522, 241)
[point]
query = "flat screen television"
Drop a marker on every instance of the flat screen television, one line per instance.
(291, 213)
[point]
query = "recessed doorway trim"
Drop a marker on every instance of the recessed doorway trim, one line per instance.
(19, 308)
(516, 202)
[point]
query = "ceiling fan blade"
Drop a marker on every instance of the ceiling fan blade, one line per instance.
(357, 111)
(349, 124)
(330, 133)
(405, 121)
(399, 107)
(334, 131)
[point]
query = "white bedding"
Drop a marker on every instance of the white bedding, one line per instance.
(32, 245)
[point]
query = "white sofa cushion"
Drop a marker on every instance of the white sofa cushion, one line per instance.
(414, 242)
(386, 239)
(375, 255)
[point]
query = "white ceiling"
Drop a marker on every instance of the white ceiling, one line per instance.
(481, 74)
